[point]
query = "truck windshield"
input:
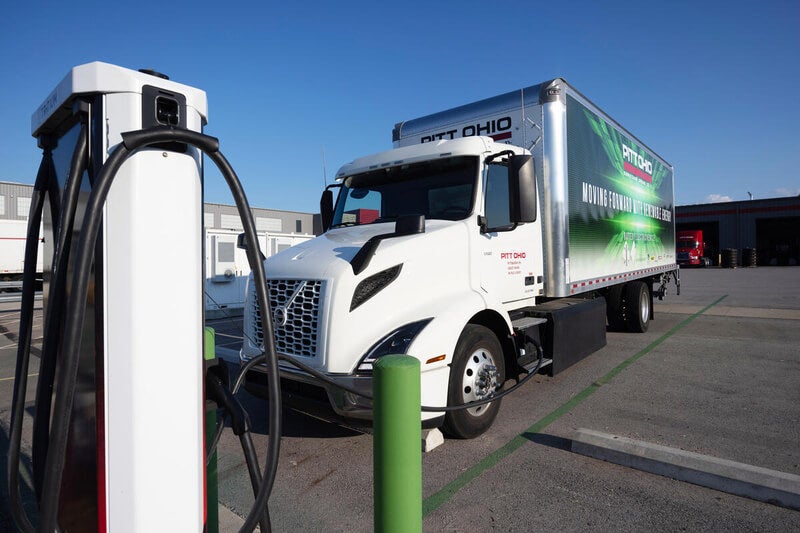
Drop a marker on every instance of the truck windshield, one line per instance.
(442, 189)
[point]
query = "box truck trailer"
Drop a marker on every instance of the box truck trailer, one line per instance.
(496, 238)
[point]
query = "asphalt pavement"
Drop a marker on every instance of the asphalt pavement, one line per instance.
(717, 373)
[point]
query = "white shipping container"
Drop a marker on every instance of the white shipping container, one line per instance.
(12, 249)
(227, 269)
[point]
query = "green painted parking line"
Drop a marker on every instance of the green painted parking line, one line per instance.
(437, 499)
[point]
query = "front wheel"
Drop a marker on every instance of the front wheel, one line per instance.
(477, 370)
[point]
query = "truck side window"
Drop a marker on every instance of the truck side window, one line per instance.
(497, 204)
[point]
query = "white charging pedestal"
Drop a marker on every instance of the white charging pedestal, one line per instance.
(137, 438)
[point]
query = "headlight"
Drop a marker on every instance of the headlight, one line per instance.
(396, 342)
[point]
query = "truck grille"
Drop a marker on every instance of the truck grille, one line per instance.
(683, 256)
(295, 316)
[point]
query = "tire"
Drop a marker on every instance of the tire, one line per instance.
(477, 351)
(615, 309)
(637, 306)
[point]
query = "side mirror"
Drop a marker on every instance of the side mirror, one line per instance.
(521, 189)
(326, 209)
(409, 225)
(241, 243)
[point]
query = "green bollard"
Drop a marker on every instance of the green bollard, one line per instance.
(397, 452)
(212, 496)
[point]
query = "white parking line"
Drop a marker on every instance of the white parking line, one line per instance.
(762, 484)
(12, 377)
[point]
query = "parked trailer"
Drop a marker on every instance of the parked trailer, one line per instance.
(12, 253)
(491, 229)
(227, 269)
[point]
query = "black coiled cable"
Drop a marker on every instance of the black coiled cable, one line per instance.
(46, 182)
(424, 408)
(55, 304)
(75, 310)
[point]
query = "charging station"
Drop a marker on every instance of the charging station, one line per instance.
(135, 450)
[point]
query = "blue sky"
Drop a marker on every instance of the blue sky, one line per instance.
(713, 87)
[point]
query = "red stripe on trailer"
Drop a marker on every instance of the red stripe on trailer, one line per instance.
(637, 172)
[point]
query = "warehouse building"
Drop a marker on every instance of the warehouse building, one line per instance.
(770, 226)
(226, 265)
(220, 216)
(15, 202)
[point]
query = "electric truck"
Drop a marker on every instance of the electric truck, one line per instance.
(496, 238)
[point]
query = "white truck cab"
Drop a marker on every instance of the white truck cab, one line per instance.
(422, 243)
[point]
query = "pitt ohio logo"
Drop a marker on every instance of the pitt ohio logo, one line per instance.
(635, 164)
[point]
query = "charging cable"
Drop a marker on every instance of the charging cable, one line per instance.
(75, 311)
(45, 189)
(425, 408)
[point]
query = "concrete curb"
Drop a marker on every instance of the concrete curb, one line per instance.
(762, 484)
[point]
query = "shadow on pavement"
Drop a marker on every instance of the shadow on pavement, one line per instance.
(26, 489)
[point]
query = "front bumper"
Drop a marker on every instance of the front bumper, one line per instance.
(685, 258)
(308, 395)
(308, 390)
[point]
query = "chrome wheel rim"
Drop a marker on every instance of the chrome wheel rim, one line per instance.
(479, 380)
(644, 307)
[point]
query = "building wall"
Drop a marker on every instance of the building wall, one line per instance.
(219, 216)
(15, 201)
(771, 226)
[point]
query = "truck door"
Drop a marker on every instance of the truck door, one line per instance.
(508, 257)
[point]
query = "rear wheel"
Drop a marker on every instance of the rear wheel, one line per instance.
(637, 306)
(477, 370)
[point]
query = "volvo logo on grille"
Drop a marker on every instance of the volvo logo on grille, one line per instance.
(280, 316)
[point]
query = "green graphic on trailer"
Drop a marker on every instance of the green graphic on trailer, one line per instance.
(620, 200)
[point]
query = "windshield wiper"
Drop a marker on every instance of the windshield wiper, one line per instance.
(342, 224)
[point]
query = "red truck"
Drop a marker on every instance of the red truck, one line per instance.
(691, 249)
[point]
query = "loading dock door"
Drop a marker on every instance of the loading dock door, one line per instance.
(778, 241)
